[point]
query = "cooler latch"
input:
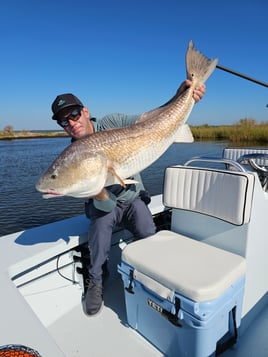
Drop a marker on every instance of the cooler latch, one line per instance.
(173, 318)
(129, 289)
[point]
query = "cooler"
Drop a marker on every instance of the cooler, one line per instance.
(182, 295)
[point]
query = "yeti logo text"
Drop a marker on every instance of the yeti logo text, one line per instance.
(154, 305)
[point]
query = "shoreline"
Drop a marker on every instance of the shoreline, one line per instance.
(245, 132)
(34, 135)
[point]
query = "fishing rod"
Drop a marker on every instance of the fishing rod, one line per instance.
(242, 75)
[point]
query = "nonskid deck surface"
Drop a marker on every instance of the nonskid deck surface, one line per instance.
(78, 335)
(253, 342)
(108, 334)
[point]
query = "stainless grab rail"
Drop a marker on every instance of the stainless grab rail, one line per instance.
(216, 160)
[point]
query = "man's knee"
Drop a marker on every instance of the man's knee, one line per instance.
(146, 230)
(142, 220)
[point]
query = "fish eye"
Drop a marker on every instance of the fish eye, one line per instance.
(54, 176)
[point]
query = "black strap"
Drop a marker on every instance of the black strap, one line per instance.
(232, 340)
(129, 289)
(173, 318)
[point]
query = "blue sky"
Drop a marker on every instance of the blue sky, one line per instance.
(129, 56)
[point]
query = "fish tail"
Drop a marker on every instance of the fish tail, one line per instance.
(198, 66)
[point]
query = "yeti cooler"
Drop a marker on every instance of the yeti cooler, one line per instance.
(182, 295)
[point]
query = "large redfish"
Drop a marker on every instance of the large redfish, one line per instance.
(110, 156)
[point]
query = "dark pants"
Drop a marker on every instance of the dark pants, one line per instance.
(134, 216)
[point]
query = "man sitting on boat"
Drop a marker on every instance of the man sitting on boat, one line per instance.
(114, 205)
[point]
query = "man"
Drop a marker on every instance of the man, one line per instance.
(114, 205)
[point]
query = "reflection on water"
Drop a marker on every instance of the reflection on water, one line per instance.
(23, 161)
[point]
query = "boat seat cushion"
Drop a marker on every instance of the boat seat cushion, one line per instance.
(223, 194)
(235, 153)
(169, 262)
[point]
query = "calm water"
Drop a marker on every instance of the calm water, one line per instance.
(23, 161)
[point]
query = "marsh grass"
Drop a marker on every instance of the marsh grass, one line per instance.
(25, 134)
(245, 131)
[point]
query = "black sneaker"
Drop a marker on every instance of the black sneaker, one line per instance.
(93, 298)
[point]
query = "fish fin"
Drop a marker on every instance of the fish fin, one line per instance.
(121, 181)
(129, 181)
(184, 135)
(114, 173)
(198, 66)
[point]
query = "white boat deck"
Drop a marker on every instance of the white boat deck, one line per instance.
(108, 334)
(20, 252)
(26, 321)
(47, 314)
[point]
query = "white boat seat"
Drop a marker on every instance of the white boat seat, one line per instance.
(170, 261)
(255, 160)
(223, 194)
(235, 153)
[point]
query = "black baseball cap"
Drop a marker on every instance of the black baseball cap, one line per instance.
(63, 101)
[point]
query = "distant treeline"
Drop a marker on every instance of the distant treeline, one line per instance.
(245, 131)
(8, 133)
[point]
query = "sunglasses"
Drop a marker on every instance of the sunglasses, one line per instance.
(74, 116)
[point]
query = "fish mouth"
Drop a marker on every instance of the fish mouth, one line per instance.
(51, 193)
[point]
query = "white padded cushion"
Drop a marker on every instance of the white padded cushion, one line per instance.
(223, 194)
(191, 268)
(235, 153)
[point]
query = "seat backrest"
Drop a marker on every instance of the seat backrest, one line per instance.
(226, 195)
(235, 153)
